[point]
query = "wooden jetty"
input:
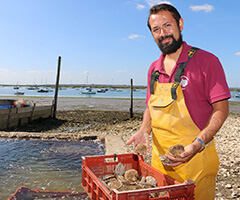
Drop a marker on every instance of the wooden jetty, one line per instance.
(11, 117)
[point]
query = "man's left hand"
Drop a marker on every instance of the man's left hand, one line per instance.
(189, 151)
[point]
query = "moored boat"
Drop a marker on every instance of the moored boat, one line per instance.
(237, 95)
(19, 93)
(43, 90)
(88, 91)
(101, 90)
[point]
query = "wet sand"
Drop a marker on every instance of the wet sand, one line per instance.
(64, 104)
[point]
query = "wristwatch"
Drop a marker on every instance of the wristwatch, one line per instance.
(201, 142)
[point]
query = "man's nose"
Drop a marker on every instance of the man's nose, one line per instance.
(163, 32)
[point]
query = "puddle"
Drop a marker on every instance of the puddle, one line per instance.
(44, 165)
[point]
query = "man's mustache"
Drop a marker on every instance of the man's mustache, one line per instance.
(163, 38)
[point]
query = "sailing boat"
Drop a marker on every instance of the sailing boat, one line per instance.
(16, 87)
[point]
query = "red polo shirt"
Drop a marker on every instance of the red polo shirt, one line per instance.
(203, 82)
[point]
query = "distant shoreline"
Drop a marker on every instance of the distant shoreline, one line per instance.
(78, 85)
(102, 104)
(233, 89)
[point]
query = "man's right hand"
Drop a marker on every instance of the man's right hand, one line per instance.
(139, 137)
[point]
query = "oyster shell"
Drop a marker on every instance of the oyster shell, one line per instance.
(151, 180)
(174, 151)
(119, 169)
(109, 177)
(141, 148)
(131, 175)
(129, 180)
(114, 185)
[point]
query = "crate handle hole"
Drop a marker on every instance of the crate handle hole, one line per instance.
(107, 160)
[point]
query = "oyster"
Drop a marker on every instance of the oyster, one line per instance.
(109, 177)
(148, 182)
(119, 169)
(174, 151)
(131, 175)
(127, 180)
(114, 185)
(151, 180)
(141, 148)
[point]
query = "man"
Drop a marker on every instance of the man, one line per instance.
(189, 113)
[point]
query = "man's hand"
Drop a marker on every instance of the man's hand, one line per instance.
(137, 138)
(189, 151)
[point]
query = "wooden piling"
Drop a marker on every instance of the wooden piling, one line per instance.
(56, 88)
(131, 106)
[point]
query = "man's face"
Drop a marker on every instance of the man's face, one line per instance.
(166, 32)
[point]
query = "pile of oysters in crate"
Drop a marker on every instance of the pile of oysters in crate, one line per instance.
(123, 180)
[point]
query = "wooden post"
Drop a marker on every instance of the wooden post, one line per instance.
(56, 88)
(32, 112)
(131, 107)
(8, 119)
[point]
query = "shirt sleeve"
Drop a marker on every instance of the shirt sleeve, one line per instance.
(148, 83)
(216, 85)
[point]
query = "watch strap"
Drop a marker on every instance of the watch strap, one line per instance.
(201, 142)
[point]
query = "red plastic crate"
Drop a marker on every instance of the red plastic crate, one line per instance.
(24, 193)
(95, 167)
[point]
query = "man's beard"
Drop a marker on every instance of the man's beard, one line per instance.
(170, 48)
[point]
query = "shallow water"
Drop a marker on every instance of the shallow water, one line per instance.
(44, 165)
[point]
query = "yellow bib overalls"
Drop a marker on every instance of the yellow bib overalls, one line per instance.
(172, 124)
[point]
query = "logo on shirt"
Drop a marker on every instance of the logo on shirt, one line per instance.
(184, 82)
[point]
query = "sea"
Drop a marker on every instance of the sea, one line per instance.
(43, 165)
(73, 92)
(77, 92)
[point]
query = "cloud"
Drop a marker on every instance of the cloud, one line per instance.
(3, 70)
(33, 72)
(86, 72)
(237, 54)
(140, 7)
(134, 36)
(121, 71)
(38, 72)
(205, 7)
(155, 2)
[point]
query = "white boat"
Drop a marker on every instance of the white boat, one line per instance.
(112, 89)
(88, 91)
(42, 90)
(237, 95)
(45, 90)
(32, 88)
(101, 90)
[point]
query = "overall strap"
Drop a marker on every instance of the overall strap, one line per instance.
(180, 72)
(154, 77)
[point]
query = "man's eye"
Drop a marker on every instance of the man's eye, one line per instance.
(155, 29)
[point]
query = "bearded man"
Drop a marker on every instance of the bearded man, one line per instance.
(187, 103)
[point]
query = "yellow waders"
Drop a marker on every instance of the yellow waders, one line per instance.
(172, 124)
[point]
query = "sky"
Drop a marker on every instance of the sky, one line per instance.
(106, 41)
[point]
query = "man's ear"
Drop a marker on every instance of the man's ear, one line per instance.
(181, 22)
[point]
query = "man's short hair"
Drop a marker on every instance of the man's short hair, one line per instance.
(164, 7)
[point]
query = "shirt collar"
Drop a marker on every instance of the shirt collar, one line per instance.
(182, 58)
(184, 54)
